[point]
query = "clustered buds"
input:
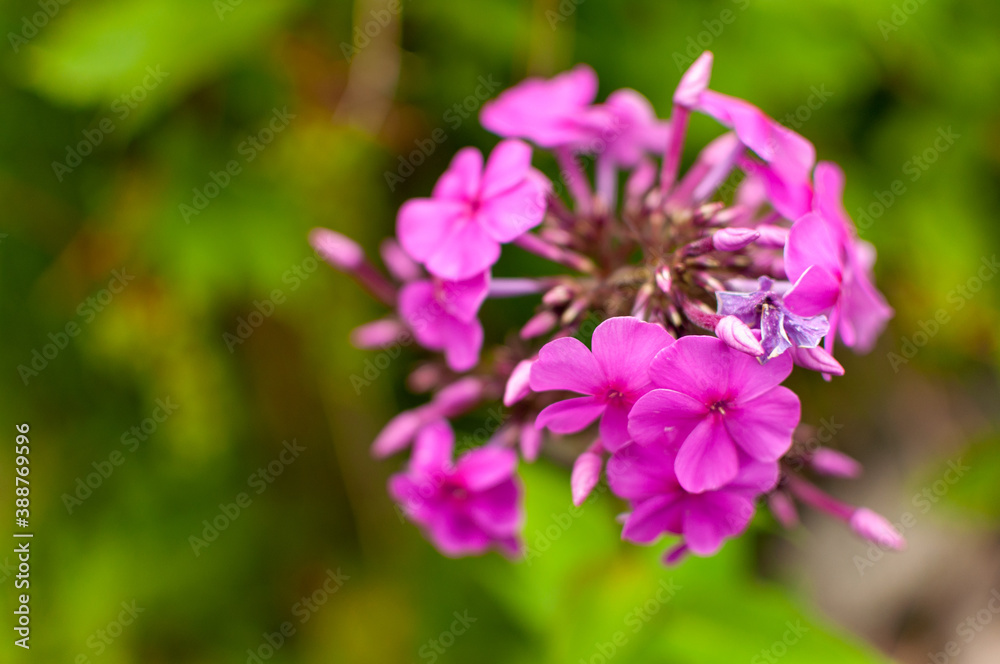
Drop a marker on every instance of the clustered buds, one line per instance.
(712, 285)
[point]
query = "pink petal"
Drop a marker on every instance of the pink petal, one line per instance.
(624, 347)
(651, 518)
(637, 472)
(694, 81)
(461, 181)
(397, 433)
(457, 534)
(497, 510)
(811, 241)
(696, 365)
(815, 292)
(506, 168)
(432, 450)
(517, 385)
(707, 459)
(763, 426)
(485, 467)
(570, 416)
(664, 417)
(586, 474)
(716, 516)
(790, 154)
(463, 298)
(512, 213)
(464, 341)
(749, 379)
(755, 477)
(424, 223)
(530, 442)
(464, 252)
(614, 425)
(566, 364)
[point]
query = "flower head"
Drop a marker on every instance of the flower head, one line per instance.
(464, 507)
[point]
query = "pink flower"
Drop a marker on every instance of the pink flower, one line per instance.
(714, 404)
(613, 377)
(457, 232)
(443, 316)
(551, 113)
(832, 268)
(465, 507)
(643, 473)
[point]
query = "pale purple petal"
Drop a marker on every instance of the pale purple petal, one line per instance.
(518, 386)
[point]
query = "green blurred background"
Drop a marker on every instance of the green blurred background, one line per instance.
(116, 114)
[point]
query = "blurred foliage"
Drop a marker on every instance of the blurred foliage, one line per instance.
(227, 69)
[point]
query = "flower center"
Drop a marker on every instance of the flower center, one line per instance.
(719, 407)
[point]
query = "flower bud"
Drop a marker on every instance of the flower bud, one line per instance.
(738, 335)
(876, 528)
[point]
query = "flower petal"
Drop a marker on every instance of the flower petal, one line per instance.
(614, 425)
(424, 223)
(506, 168)
(461, 181)
(637, 471)
(464, 252)
(566, 364)
(815, 292)
(763, 427)
(663, 417)
(695, 365)
(707, 458)
(485, 467)
(624, 347)
(651, 518)
(713, 517)
(432, 450)
(571, 415)
(512, 213)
